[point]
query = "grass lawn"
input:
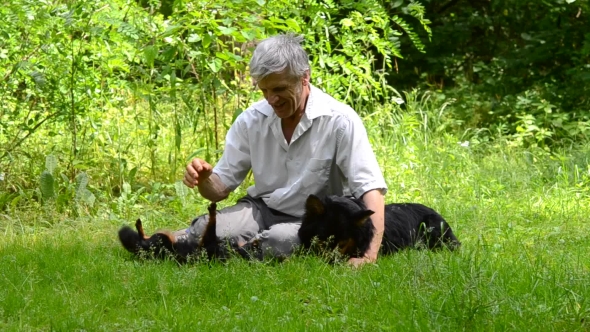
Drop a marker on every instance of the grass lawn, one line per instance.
(521, 214)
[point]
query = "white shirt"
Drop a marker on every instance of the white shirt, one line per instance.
(329, 153)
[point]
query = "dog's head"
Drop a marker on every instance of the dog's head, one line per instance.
(337, 222)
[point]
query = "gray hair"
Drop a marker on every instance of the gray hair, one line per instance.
(278, 53)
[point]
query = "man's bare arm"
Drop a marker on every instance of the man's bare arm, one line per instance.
(213, 189)
(374, 201)
(199, 173)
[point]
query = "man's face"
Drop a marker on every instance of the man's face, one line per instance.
(284, 93)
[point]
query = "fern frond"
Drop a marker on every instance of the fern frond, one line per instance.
(413, 36)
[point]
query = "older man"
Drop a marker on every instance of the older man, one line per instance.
(297, 141)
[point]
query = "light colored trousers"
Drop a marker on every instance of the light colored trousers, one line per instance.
(242, 223)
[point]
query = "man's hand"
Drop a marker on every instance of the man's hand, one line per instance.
(197, 171)
(357, 262)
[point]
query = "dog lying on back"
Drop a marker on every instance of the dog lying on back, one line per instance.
(344, 223)
(162, 244)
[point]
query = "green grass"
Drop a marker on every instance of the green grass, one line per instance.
(80, 279)
(521, 214)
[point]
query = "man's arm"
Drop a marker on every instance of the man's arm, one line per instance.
(230, 170)
(200, 174)
(375, 202)
(213, 189)
(358, 163)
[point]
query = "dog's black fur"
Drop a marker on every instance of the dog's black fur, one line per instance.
(162, 244)
(344, 223)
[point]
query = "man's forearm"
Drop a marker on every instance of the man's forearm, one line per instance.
(375, 202)
(213, 189)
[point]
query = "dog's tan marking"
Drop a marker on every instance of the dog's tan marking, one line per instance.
(139, 227)
(169, 235)
(314, 205)
(346, 246)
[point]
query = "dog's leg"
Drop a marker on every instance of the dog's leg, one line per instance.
(214, 248)
(139, 227)
(210, 235)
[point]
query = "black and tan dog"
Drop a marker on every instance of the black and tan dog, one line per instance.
(163, 244)
(344, 223)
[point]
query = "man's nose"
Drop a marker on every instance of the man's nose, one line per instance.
(272, 99)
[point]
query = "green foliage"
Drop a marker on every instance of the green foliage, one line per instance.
(47, 185)
(353, 46)
(60, 192)
(125, 95)
(491, 55)
(521, 214)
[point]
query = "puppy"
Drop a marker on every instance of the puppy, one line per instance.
(344, 223)
(163, 244)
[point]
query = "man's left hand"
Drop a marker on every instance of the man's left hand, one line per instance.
(357, 262)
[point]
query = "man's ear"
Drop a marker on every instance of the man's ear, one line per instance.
(360, 218)
(305, 78)
(314, 205)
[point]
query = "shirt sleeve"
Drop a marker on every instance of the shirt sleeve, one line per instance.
(356, 158)
(235, 162)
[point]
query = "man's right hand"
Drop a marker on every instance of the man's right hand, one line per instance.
(196, 172)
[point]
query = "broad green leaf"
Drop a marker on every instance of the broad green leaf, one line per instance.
(293, 25)
(88, 197)
(131, 176)
(82, 180)
(222, 56)
(237, 112)
(181, 189)
(150, 53)
(47, 182)
(50, 163)
(249, 34)
(193, 38)
(215, 65)
(227, 30)
(206, 41)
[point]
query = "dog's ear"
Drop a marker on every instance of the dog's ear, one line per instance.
(314, 205)
(360, 218)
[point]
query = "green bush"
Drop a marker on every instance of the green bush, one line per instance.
(127, 92)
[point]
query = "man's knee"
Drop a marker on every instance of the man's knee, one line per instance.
(235, 223)
(280, 240)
